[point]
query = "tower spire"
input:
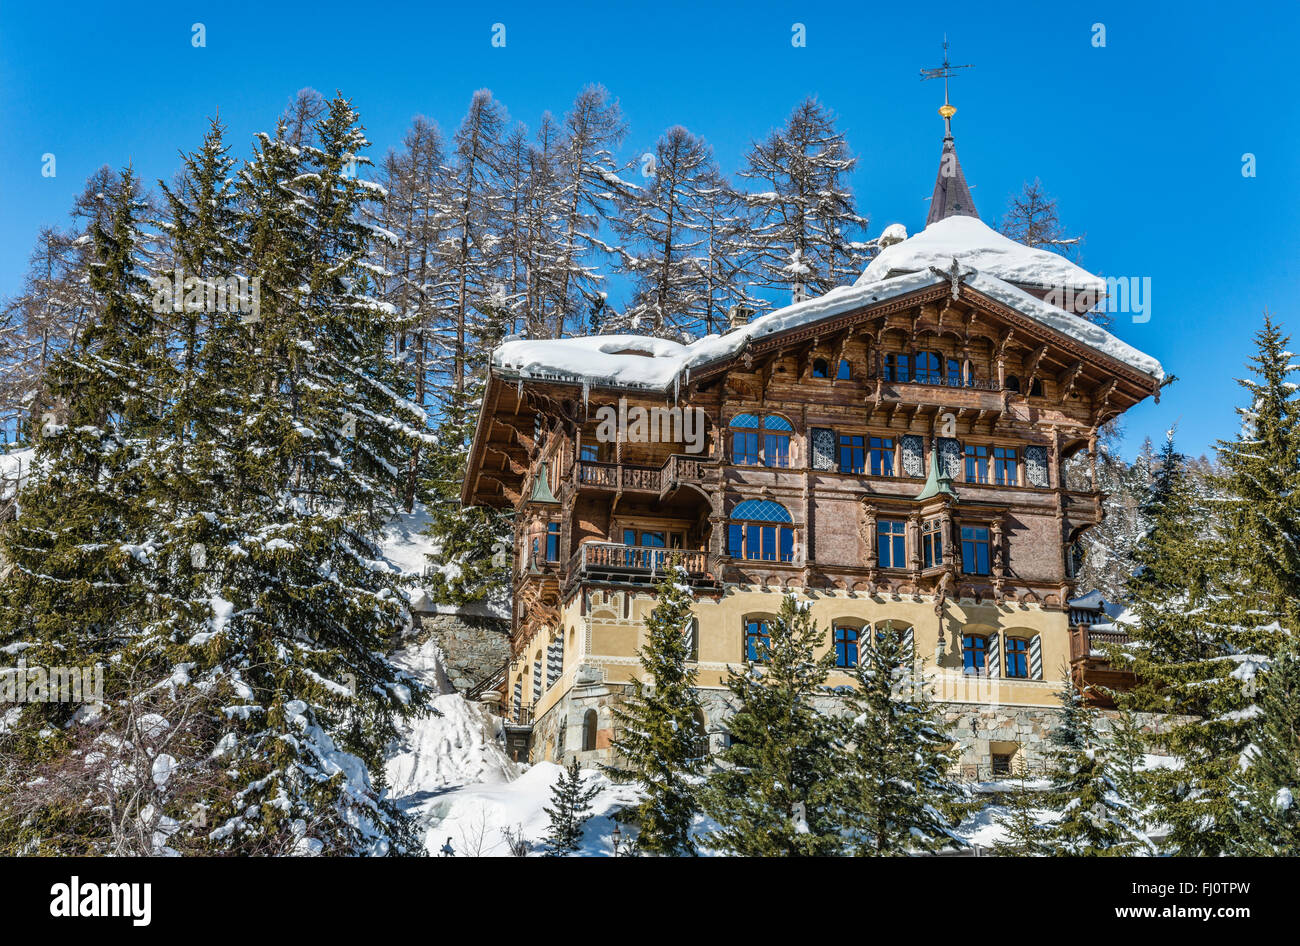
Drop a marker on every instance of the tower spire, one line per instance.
(952, 197)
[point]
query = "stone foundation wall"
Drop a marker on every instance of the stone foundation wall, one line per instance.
(473, 645)
(979, 730)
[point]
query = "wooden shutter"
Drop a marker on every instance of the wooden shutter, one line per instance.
(1035, 658)
(993, 655)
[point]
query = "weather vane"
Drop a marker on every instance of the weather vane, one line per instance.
(945, 72)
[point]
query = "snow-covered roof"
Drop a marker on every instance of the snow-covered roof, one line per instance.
(974, 243)
(990, 265)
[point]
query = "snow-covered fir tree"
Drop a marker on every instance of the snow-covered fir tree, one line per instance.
(1090, 816)
(569, 811)
(1264, 790)
(773, 795)
(659, 739)
(892, 781)
(1023, 833)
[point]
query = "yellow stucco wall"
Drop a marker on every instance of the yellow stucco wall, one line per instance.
(608, 639)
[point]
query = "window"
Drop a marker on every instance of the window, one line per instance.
(932, 542)
(552, 541)
(1005, 467)
(898, 368)
(882, 456)
(1017, 657)
(853, 454)
(589, 731)
(846, 647)
(973, 649)
(771, 432)
(928, 367)
(954, 373)
(844, 372)
(744, 443)
(756, 532)
(977, 464)
(648, 539)
(820, 368)
(1036, 389)
(891, 543)
(590, 453)
(1002, 763)
(975, 550)
(758, 638)
(1013, 383)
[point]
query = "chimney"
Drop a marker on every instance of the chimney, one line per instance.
(739, 316)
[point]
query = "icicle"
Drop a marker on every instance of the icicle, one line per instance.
(677, 387)
(586, 393)
(519, 388)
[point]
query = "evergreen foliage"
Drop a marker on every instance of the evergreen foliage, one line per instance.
(659, 737)
(569, 811)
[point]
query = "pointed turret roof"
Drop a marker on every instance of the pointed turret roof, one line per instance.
(951, 193)
(936, 482)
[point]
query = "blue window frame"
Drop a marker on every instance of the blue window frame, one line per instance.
(891, 543)
(932, 542)
(1017, 657)
(759, 532)
(1005, 466)
(898, 368)
(552, 541)
(771, 432)
(846, 647)
(821, 369)
(590, 452)
(954, 373)
(882, 456)
(974, 648)
(758, 639)
(853, 454)
(845, 371)
(929, 367)
(975, 550)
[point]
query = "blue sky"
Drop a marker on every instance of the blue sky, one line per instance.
(1141, 141)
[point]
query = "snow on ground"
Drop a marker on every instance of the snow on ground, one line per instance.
(15, 467)
(404, 544)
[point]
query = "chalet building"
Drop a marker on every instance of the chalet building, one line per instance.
(892, 452)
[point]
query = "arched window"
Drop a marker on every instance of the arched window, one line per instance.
(974, 648)
(846, 646)
(589, 730)
(929, 368)
(1036, 389)
(758, 637)
(1013, 383)
(760, 441)
(898, 367)
(1017, 657)
(820, 368)
(758, 531)
(845, 371)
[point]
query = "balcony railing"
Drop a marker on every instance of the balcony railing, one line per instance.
(1084, 640)
(611, 560)
(678, 468)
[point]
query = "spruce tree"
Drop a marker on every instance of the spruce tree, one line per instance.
(893, 785)
(1091, 818)
(1023, 835)
(773, 795)
(569, 811)
(659, 738)
(1264, 790)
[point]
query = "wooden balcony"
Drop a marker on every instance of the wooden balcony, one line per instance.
(678, 469)
(609, 561)
(1090, 667)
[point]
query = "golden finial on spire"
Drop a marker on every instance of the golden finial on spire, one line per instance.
(944, 72)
